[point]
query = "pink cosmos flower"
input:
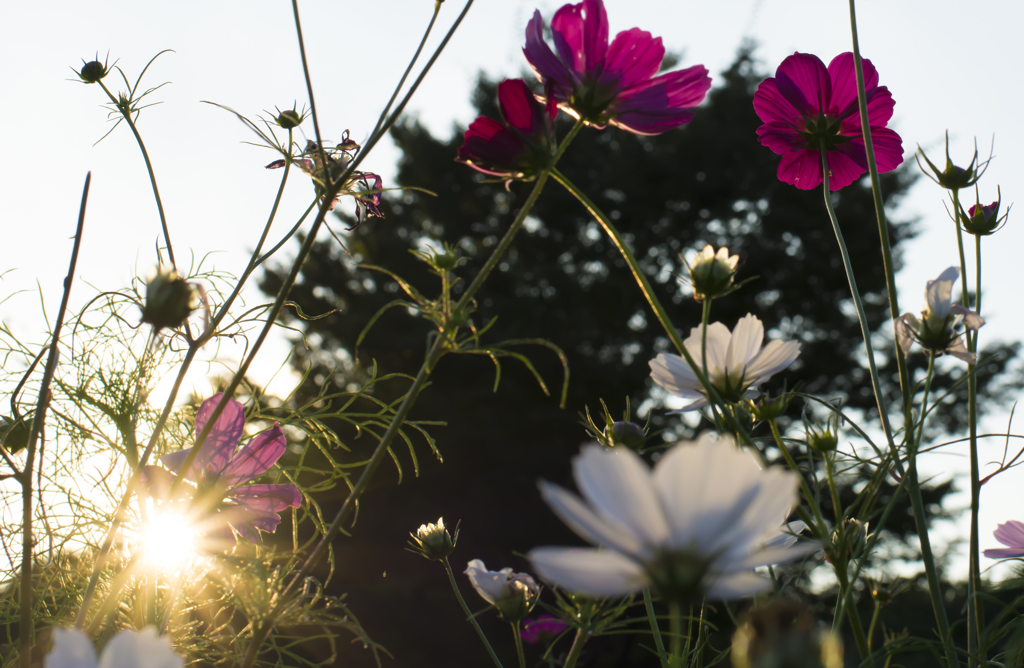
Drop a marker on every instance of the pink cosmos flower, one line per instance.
(520, 145)
(1010, 534)
(545, 626)
(807, 107)
(247, 508)
(616, 83)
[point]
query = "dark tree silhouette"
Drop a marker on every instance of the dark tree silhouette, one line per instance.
(709, 182)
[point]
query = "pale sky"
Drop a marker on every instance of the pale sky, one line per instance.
(945, 65)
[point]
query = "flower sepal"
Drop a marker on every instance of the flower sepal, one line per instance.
(432, 541)
(713, 275)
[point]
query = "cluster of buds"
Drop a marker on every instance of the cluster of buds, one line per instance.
(936, 330)
(432, 541)
(169, 299)
(513, 594)
(712, 275)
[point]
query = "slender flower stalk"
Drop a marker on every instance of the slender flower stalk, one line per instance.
(577, 649)
(469, 614)
(861, 316)
(652, 619)
(519, 643)
(26, 639)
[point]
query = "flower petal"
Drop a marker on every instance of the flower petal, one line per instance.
(222, 440)
(805, 82)
(139, 649)
(906, 326)
(586, 523)
(773, 358)
(267, 498)
(744, 345)
(844, 83)
(1004, 552)
(737, 585)
(773, 555)
(675, 375)
(518, 106)
(633, 57)
(1010, 533)
(617, 484)
(939, 293)
(543, 60)
(971, 318)
(71, 649)
(255, 458)
(846, 165)
(801, 168)
(588, 571)
(491, 585)
(772, 106)
(580, 33)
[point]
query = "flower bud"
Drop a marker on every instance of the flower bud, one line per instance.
(953, 177)
(432, 541)
(446, 261)
(169, 299)
(14, 433)
(712, 274)
(782, 634)
(822, 437)
(982, 220)
(771, 409)
(289, 118)
(92, 71)
(628, 434)
(854, 539)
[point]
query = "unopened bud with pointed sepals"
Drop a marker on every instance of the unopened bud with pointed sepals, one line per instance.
(92, 71)
(823, 438)
(432, 541)
(982, 220)
(169, 299)
(628, 434)
(853, 541)
(513, 594)
(952, 177)
(289, 119)
(14, 433)
(712, 274)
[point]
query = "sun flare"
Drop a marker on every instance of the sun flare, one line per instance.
(168, 539)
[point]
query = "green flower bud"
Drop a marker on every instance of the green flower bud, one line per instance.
(446, 261)
(519, 603)
(823, 438)
(14, 433)
(771, 409)
(953, 177)
(854, 539)
(628, 434)
(169, 299)
(712, 274)
(289, 118)
(432, 541)
(93, 71)
(982, 220)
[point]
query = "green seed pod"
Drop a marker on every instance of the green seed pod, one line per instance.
(169, 300)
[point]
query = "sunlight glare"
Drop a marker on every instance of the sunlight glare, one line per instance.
(168, 539)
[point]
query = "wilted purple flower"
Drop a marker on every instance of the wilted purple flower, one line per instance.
(219, 462)
(520, 145)
(544, 626)
(1010, 534)
(312, 162)
(616, 83)
(807, 107)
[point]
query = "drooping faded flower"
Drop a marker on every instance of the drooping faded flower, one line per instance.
(807, 108)
(513, 594)
(1010, 534)
(616, 83)
(519, 146)
(219, 463)
(936, 328)
(698, 524)
(736, 362)
(326, 165)
(127, 649)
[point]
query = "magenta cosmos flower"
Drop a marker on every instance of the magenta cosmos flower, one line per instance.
(806, 108)
(1010, 534)
(520, 145)
(602, 83)
(247, 508)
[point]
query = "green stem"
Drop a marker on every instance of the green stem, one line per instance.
(861, 316)
(883, 227)
(652, 619)
(851, 612)
(821, 531)
(704, 318)
(975, 613)
(26, 633)
(714, 399)
(675, 626)
(577, 649)
(519, 644)
(472, 618)
(921, 522)
(126, 114)
(965, 297)
(874, 621)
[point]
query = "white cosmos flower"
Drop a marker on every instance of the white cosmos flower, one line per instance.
(697, 524)
(127, 649)
(736, 362)
(511, 593)
(935, 329)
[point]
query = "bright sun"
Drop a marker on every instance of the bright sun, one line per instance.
(168, 539)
